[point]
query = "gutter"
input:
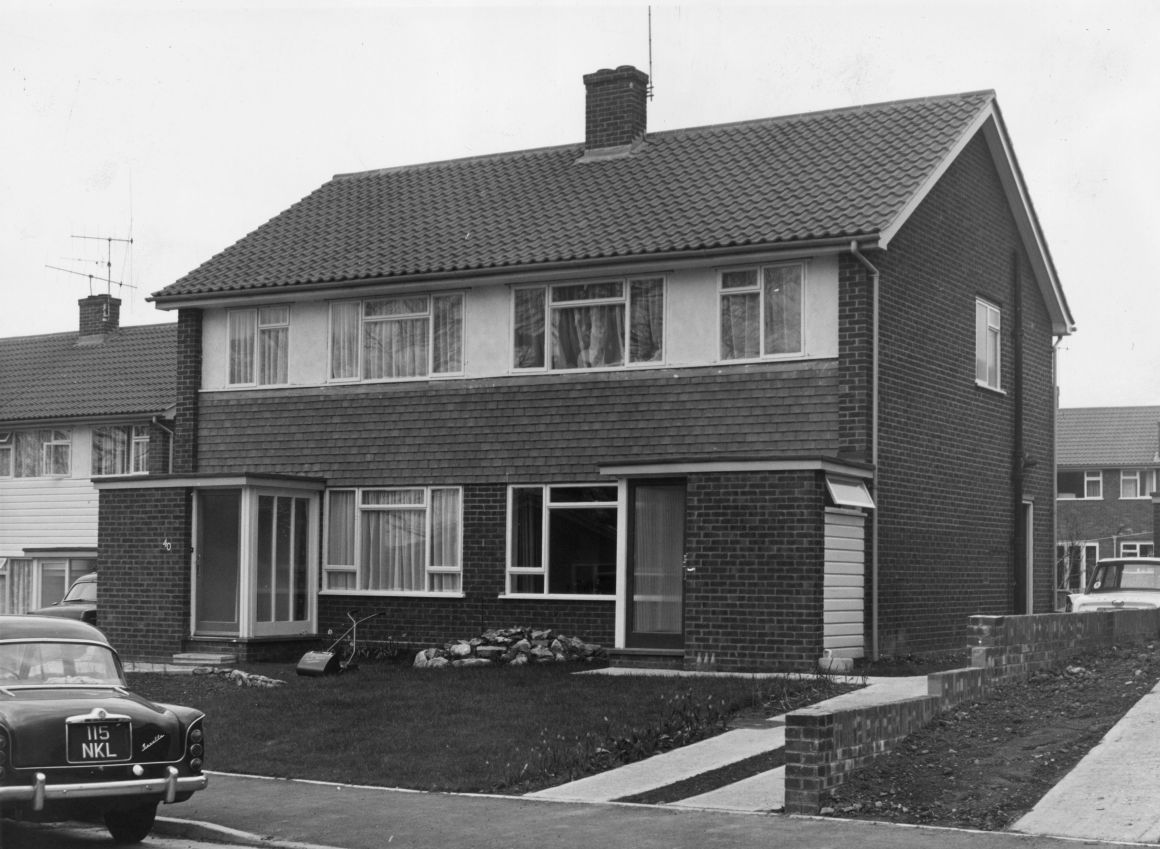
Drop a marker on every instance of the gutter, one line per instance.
(874, 281)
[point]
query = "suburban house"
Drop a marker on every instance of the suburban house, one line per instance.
(75, 407)
(1107, 459)
(726, 397)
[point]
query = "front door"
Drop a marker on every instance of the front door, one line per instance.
(218, 560)
(656, 573)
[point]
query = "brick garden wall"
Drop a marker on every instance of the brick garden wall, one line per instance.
(145, 588)
(950, 474)
(823, 747)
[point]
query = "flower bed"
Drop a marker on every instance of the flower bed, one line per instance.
(511, 646)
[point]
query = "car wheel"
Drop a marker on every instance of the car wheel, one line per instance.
(132, 825)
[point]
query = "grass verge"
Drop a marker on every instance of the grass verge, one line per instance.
(508, 730)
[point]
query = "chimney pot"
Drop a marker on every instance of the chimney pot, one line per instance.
(616, 107)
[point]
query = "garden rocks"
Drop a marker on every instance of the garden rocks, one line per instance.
(511, 646)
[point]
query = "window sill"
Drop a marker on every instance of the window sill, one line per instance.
(390, 594)
(555, 597)
(988, 387)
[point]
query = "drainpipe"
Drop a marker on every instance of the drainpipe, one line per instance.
(874, 279)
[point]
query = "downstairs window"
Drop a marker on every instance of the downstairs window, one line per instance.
(563, 540)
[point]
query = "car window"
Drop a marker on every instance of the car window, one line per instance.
(1142, 576)
(82, 591)
(57, 663)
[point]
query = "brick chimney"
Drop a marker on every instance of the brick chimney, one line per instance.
(100, 314)
(615, 113)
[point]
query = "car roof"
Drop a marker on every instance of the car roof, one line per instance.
(1149, 561)
(85, 578)
(48, 628)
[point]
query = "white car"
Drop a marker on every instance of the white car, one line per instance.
(1122, 583)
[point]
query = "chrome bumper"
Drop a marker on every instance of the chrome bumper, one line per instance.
(40, 791)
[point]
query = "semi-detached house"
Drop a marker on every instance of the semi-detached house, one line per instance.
(723, 397)
(75, 407)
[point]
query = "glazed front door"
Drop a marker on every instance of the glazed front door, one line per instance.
(218, 560)
(282, 565)
(656, 565)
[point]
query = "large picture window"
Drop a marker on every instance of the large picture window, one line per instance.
(394, 540)
(589, 325)
(38, 453)
(259, 346)
(1086, 484)
(396, 338)
(987, 347)
(120, 450)
(761, 312)
(563, 540)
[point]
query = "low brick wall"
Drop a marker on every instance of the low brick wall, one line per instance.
(822, 747)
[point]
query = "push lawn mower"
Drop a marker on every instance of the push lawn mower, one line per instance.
(332, 662)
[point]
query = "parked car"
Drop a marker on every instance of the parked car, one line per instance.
(75, 743)
(80, 602)
(1122, 583)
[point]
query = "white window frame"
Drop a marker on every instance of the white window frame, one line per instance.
(431, 570)
(1090, 476)
(544, 569)
(1144, 482)
(260, 322)
(6, 450)
(363, 320)
(988, 345)
(136, 445)
(624, 299)
(757, 287)
(1138, 548)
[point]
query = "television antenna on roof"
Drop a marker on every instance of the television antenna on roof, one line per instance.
(108, 263)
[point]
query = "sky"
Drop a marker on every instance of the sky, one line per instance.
(183, 126)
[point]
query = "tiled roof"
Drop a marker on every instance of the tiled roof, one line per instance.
(825, 175)
(133, 370)
(1108, 437)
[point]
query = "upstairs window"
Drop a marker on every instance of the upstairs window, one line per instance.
(5, 454)
(569, 326)
(259, 346)
(394, 540)
(1137, 483)
(1085, 485)
(395, 338)
(761, 312)
(987, 327)
(120, 450)
(1137, 549)
(41, 454)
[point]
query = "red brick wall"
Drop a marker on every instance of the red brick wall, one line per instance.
(145, 588)
(185, 445)
(756, 543)
(947, 499)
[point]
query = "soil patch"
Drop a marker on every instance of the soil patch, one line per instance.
(986, 763)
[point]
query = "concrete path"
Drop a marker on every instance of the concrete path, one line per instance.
(1113, 794)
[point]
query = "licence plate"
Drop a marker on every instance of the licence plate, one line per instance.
(99, 742)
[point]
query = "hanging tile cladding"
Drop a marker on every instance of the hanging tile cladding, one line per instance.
(520, 428)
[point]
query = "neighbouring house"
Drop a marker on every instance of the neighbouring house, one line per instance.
(726, 397)
(75, 407)
(1107, 459)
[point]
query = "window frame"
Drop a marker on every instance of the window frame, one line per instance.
(985, 332)
(544, 569)
(430, 570)
(7, 452)
(1141, 548)
(1090, 476)
(258, 329)
(48, 438)
(360, 361)
(137, 442)
(758, 288)
(625, 299)
(1145, 483)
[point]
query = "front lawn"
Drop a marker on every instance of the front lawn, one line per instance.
(507, 730)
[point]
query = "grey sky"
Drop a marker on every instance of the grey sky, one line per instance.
(189, 124)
